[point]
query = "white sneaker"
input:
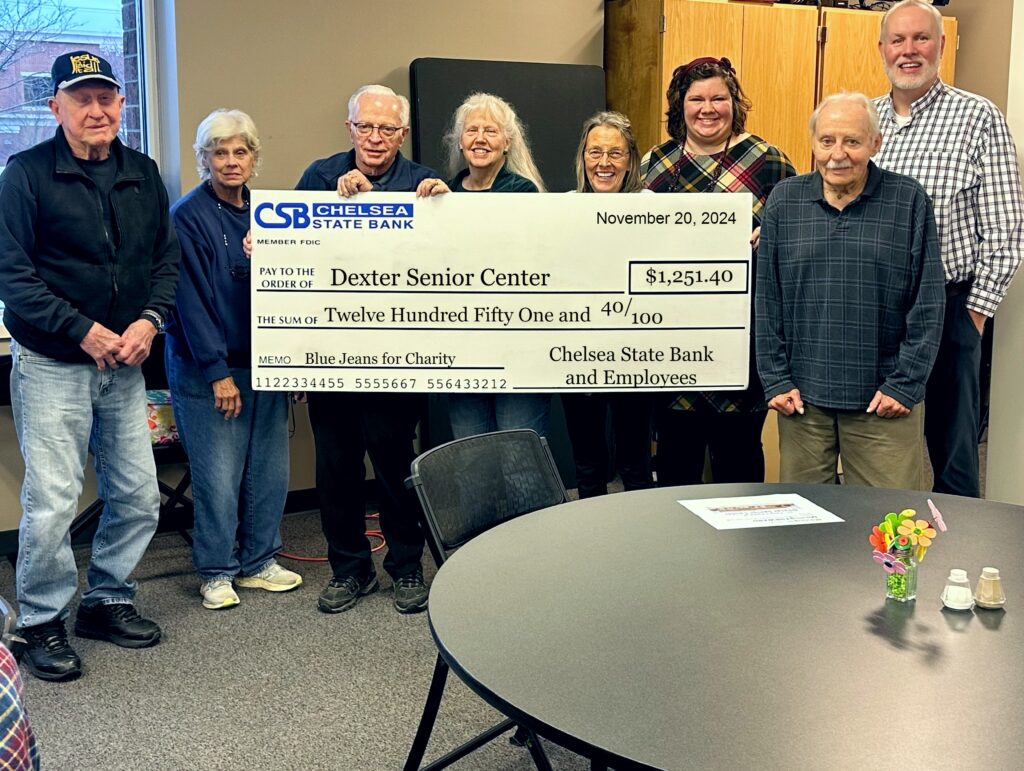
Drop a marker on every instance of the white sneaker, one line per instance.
(218, 594)
(273, 578)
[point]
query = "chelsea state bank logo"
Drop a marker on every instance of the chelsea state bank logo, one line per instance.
(331, 216)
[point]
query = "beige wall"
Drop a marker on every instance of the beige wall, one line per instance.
(1004, 481)
(991, 60)
(981, 64)
(293, 66)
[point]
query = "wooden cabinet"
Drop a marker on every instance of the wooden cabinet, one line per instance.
(787, 57)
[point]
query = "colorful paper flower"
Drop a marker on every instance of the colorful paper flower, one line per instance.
(877, 539)
(889, 562)
(893, 521)
(937, 516)
(920, 532)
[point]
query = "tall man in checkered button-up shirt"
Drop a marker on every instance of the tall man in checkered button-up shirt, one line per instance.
(957, 145)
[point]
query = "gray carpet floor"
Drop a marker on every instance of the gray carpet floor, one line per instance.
(270, 684)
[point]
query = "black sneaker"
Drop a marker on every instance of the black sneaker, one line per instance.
(411, 592)
(343, 593)
(46, 652)
(118, 623)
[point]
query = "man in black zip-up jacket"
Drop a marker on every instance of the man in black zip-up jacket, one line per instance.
(88, 268)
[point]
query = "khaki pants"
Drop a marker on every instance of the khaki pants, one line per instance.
(876, 452)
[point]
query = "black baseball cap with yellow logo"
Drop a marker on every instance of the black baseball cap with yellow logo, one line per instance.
(77, 67)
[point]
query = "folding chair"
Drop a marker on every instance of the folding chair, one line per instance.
(9, 636)
(466, 487)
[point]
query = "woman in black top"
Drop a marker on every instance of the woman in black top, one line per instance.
(488, 153)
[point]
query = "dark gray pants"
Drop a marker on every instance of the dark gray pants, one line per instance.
(954, 403)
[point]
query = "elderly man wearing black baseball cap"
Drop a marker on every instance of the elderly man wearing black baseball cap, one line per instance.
(88, 266)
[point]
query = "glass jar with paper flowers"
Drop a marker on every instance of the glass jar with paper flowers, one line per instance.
(899, 543)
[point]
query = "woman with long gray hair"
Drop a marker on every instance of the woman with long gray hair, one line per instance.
(488, 153)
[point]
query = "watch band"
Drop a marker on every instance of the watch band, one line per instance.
(153, 318)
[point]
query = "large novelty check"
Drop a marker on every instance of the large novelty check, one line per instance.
(500, 292)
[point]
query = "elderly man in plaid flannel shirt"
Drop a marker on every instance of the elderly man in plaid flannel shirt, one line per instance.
(848, 308)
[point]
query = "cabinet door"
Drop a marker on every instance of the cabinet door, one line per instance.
(695, 28)
(850, 58)
(780, 52)
(632, 60)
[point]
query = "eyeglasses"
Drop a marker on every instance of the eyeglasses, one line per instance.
(613, 155)
(366, 129)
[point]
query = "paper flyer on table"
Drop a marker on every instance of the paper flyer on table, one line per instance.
(759, 511)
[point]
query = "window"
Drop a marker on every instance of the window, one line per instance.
(36, 87)
(33, 33)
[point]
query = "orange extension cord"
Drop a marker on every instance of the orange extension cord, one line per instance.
(374, 533)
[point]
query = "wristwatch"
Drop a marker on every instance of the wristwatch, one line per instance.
(153, 318)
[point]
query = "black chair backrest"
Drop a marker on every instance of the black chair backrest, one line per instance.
(470, 485)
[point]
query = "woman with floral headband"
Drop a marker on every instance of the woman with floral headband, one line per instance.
(711, 151)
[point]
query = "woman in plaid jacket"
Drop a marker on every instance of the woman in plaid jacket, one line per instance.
(711, 151)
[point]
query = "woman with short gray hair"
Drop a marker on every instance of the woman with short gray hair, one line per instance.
(236, 438)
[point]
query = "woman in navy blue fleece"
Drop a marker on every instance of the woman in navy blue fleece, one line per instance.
(236, 438)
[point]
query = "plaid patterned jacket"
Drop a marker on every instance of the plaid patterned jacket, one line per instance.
(751, 165)
(17, 742)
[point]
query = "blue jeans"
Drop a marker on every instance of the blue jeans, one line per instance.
(239, 469)
(61, 411)
(473, 414)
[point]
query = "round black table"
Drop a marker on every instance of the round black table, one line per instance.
(629, 630)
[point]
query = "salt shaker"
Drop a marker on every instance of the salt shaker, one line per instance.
(957, 594)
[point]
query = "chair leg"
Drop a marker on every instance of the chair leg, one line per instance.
(438, 681)
(471, 746)
(178, 506)
(430, 708)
